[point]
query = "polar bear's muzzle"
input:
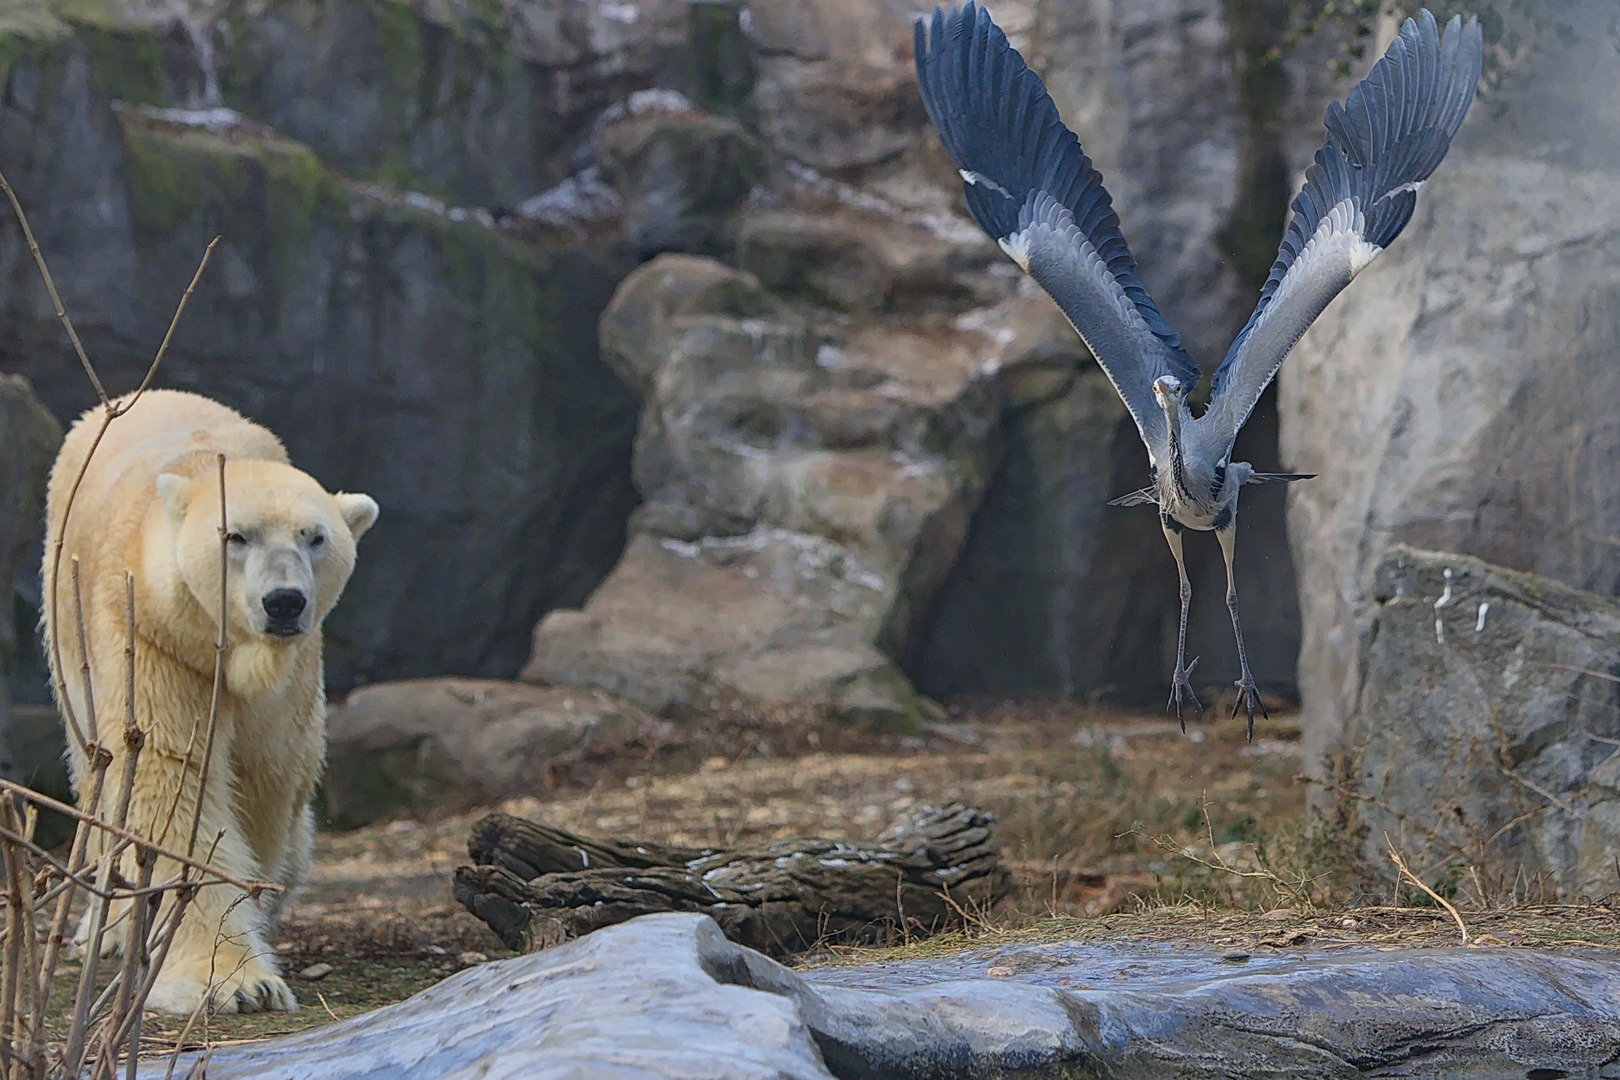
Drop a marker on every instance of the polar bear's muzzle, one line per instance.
(283, 611)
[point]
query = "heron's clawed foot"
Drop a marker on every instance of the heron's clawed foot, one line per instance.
(1248, 698)
(1181, 683)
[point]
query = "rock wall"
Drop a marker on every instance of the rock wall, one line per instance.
(401, 346)
(808, 481)
(425, 206)
(1458, 396)
(29, 439)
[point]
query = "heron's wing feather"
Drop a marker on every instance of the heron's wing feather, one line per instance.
(1382, 143)
(1137, 497)
(1029, 185)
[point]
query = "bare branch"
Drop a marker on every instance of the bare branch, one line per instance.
(1401, 868)
(252, 888)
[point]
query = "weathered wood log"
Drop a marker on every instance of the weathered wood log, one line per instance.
(536, 886)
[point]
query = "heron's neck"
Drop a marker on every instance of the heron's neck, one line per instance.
(1178, 471)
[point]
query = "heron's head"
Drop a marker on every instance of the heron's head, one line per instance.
(1167, 391)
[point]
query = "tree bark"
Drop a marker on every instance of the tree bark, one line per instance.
(536, 886)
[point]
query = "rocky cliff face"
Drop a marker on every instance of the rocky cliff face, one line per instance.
(29, 439)
(400, 345)
(426, 204)
(1459, 396)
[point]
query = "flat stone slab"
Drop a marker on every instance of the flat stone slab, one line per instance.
(667, 996)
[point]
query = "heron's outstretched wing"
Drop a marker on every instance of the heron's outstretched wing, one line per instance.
(1390, 134)
(1029, 185)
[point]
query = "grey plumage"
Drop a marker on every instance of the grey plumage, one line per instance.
(1032, 189)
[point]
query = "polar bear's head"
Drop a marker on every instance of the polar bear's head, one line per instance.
(290, 545)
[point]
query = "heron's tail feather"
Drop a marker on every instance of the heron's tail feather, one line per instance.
(1279, 477)
(1136, 498)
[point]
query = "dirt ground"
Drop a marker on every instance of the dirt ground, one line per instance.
(1117, 825)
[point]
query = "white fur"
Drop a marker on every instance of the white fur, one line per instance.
(150, 503)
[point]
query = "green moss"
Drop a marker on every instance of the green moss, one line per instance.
(102, 13)
(1259, 215)
(719, 57)
(176, 174)
(164, 187)
(299, 193)
(126, 65)
(399, 38)
(398, 173)
(31, 20)
(13, 46)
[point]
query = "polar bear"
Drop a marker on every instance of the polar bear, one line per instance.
(149, 504)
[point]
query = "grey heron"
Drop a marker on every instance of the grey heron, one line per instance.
(1034, 191)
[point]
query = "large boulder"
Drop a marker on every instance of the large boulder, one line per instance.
(421, 746)
(1458, 396)
(1483, 742)
(29, 439)
(666, 997)
(680, 173)
(807, 483)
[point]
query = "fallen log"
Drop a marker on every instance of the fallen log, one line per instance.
(537, 886)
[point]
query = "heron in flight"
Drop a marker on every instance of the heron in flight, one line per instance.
(1035, 192)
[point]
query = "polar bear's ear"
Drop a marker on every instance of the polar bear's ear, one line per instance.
(359, 512)
(176, 494)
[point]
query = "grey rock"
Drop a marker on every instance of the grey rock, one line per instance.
(680, 175)
(666, 996)
(1459, 396)
(29, 439)
(400, 349)
(37, 750)
(834, 87)
(807, 486)
(872, 262)
(774, 617)
(634, 326)
(1484, 739)
(480, 104)
(1054, 589)
(424, 745)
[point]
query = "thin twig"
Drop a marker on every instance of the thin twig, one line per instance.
(84, 658)
(252, 888)
(50, 287)
(1403, 871)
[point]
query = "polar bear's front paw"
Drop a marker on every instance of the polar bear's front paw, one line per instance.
(264, 991)
(254, 987)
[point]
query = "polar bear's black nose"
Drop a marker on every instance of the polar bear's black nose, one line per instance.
(284, 606)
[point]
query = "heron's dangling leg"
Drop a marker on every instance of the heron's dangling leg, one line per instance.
(1248, 694)
(1182, 679)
